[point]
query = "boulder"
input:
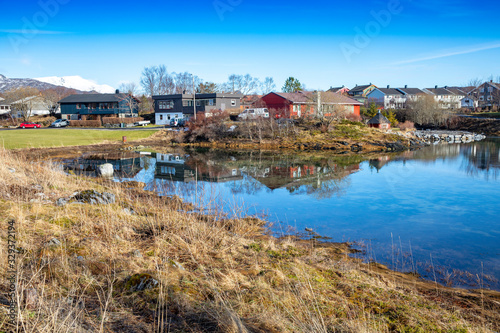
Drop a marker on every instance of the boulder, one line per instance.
(105, 170)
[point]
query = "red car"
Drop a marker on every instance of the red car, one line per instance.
(29, 125)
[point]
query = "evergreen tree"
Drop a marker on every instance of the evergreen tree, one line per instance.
(292, 85)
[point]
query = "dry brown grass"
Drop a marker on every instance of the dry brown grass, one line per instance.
(213, 274)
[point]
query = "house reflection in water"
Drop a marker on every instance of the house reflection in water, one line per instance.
(125, 164)
(308, 178)
(186, 169)
(483, 159)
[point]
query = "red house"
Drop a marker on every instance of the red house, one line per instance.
(380, 121)
(305, 103)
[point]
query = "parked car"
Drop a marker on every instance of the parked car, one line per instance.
(29, 125)
(177, 122)
(60, 123)
(254, 114)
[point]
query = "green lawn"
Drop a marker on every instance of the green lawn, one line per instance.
(36, 138)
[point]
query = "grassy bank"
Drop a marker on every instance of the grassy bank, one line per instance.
(148, 264)
(36, 138)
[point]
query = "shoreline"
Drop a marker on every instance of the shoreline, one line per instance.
(144, 244)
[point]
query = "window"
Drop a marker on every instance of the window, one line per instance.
(233, 102)
(481, 98)
(211, 102)
(168, 170)
(161, 117)
(78, 106)
(490, 89)
(489, 98)
(198, 102)
(166, 105)
(482, 90)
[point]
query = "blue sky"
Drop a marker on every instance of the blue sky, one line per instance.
(322, 43)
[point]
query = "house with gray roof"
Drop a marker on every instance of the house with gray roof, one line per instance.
(388, 98)
(182, 106)
(412, 94)
(359, 92)
(96, 106)
(310, 103)
(446, 98)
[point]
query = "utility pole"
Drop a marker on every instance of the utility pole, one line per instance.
(194, 100)
(319, 113)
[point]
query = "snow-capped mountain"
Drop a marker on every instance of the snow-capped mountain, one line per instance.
(8, 84)
(77, 82)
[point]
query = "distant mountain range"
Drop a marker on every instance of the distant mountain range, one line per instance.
(79, 84)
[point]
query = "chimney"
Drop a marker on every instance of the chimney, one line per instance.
(445, 87)
(117, 91)
(406, 86)
(388, 86)
(435, 87)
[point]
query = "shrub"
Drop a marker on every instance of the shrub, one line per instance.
(85, 123)
(406, 125)
(116, 120)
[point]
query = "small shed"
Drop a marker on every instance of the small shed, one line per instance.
(379, 121)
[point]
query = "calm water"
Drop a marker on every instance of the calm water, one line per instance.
(435, 211)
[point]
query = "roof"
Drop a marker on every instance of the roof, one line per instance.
(360, 88)
(309, 97)
(198, 96)
(457, 91)
(390, 91)
(94, 98)
(336, 89)
(411, 91)
(439, 91)
(379, 119)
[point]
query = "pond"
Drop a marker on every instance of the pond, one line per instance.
(434, 211)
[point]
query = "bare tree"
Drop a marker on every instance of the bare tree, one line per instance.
(476, 82)
(156, 80)
(52, 97)
(128, 88)
(245, 84)
(131, 105)
(426, 111)
(184, 82)
(22, 100)
(268, 86)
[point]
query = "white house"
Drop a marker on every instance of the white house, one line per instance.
(36, 105)
(389, 98)
(412, 94)
(4, 106)
(446, 98)
(469, 102)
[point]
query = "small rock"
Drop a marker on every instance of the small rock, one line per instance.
(137, 254)
(54, 242)
(31, 298)
(61, 202)
(12, 170)
(79, 258)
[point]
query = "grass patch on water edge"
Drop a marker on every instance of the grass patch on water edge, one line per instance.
(41, 138)
(143, 264)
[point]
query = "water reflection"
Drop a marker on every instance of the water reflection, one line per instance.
(441, 201)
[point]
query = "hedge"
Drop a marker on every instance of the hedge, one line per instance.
(85, 123)
(116, 120)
